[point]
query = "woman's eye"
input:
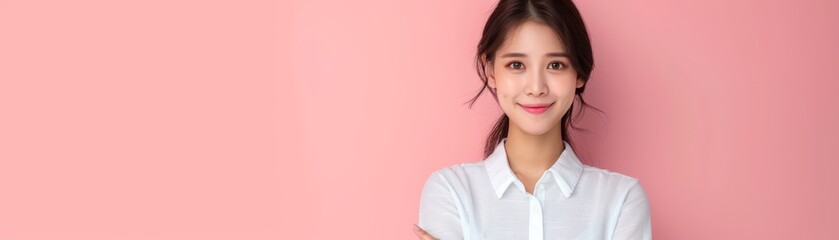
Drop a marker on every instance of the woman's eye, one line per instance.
(516, 65)
(556, 65)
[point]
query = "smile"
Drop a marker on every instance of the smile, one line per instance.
(536, 108)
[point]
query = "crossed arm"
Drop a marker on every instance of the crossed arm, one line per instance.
(439, 217)
(438, 213)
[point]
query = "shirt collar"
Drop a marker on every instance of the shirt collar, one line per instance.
(566, 171)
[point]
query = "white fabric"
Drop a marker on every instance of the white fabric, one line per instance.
(484, 200)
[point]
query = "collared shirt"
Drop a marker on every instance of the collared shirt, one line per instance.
(485, 200)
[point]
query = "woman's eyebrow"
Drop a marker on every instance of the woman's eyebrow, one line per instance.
(550, 54)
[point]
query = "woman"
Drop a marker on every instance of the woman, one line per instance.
(535, 58)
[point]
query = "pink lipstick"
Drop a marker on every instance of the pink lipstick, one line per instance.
(536, 108)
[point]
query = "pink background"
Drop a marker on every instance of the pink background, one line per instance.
(322, 119)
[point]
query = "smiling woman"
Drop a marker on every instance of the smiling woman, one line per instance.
(535, 58)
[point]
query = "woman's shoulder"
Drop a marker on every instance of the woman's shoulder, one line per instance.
(617, 188)
(601, 176)
(462, 169)
(458, 175)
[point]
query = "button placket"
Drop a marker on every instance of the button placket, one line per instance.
(536, 224)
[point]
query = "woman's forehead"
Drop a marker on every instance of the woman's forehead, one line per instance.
(532, 38)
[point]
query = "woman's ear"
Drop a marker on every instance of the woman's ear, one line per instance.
(580, 83)
(489, 71)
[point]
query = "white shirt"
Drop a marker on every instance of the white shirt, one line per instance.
(484, 200)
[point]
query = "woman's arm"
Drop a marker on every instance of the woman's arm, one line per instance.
(438, 213)
(634, 219)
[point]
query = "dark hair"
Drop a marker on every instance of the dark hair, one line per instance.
(563, 17)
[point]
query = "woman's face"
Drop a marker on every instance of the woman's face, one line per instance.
(533, 78)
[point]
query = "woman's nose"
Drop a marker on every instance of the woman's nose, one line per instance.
(536, 84)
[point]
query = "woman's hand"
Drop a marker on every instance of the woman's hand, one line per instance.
(422, 234)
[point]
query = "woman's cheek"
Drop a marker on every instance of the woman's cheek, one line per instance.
(503, 95)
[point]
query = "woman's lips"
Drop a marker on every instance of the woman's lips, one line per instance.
(536, 108)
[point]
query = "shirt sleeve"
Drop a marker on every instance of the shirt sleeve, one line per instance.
(634, 219)
(438, 212)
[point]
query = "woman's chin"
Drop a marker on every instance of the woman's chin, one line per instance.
(535, 127)
(536, 130)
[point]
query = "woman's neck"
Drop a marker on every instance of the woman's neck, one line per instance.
(531, 155)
